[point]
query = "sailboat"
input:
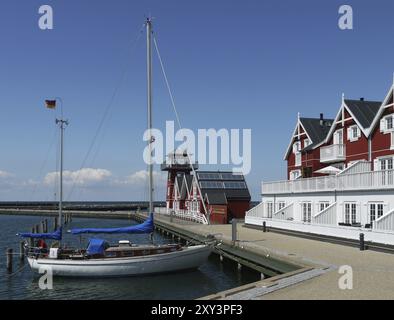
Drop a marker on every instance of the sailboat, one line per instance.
(100, 259)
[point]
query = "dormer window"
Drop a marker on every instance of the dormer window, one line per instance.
(307, 142)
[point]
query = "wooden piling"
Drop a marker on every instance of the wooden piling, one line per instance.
(46, 225)
(43, 226)
(9, 260)
(31, 240)
(37, 228)
(55, 222)
(22, 250)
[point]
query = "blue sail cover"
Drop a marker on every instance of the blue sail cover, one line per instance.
(57, 235)
(146, 227)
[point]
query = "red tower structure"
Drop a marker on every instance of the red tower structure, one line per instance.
(177, 163)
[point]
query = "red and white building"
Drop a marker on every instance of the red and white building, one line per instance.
(340, 175)
(203, 196)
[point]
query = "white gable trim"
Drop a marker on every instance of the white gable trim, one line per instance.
(381, 110)
(296, 133)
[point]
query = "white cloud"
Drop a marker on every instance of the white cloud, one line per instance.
(140, 178)
(83, 177)
(5, 174)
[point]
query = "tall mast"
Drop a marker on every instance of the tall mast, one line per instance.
(62, 125)
(149, 77)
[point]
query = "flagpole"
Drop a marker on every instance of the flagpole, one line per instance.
(62, 125)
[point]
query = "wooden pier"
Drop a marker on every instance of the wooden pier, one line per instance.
(318, 266)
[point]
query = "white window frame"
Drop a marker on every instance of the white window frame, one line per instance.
(322, 205)
(378, 209)
(307, 142)
(295, 174)
(354, 133)
(270, 209)
(336, 135)
(306, 211)
(384, 124)
(351, 216)
(281, 205)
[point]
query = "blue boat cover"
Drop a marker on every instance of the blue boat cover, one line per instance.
(145, 227)
(96, 246)
(57, 235)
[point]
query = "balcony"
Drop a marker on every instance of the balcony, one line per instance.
(333, 153)
(370, 180)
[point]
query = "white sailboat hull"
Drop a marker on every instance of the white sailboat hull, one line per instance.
(188, 258)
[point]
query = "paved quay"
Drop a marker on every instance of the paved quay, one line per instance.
(373, 272)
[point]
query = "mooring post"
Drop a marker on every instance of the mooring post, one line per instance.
(46, 225)
(55, 224)
(234, 230)
(9, 260)
(362, 242)
(37, 228)
(22, 250)
(264, 226)
(43, 226)
(31, 240)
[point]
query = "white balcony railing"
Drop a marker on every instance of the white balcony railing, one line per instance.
(370, 180)
(257, 211)
(328, 216)
(385, 222)
(286, 213)
(333, 153)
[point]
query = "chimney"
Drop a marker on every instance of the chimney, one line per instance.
(361, 99)
(321, 119)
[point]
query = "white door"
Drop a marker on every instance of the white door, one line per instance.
(307, 212)
(386, 166)
(338, 136)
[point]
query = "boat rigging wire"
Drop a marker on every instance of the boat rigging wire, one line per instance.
(105, 114)
(43, 165)
(177, 115)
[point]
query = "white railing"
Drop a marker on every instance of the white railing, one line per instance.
(371, 180)
(385, 222)
(183, 214)
(334, 152)
(286, 213)
(257, 211)
(357, 167)
(327, 216)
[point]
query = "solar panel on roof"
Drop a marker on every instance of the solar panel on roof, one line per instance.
(234, 185)
(209, 176)
(231, 176)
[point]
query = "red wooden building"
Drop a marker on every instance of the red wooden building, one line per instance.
(219, 195)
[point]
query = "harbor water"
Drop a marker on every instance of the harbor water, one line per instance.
(210, 278)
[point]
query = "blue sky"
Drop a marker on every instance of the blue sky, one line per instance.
(232, 64)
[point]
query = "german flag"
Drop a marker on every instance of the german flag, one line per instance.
(51, 104)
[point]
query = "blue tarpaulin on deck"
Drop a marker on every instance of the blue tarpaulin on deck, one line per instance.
(146, 227)
(96, 246)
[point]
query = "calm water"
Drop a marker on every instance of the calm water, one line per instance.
(210, 278)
